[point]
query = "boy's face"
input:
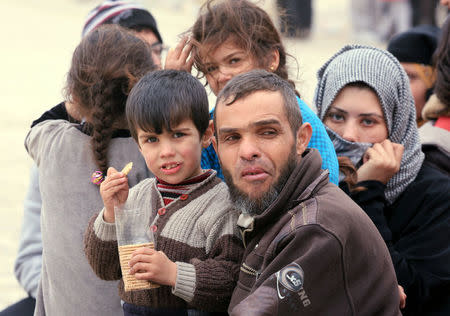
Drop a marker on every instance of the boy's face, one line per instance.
(174, 156)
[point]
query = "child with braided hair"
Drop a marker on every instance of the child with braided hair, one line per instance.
(105, 66)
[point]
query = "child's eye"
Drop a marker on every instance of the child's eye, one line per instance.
(210, 69)
(152, 139)
(178, 134)
(234, 60)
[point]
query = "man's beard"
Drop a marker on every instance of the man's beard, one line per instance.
(245, 204)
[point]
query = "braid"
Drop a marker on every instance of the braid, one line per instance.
(105, 66)
(102, 120)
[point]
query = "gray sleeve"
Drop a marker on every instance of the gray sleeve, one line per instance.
(27, 267)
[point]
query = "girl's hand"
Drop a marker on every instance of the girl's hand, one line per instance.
(114, 191)
(381, 162)
(151, 265)
(177, 58)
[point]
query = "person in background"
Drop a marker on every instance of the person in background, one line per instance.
(295, 18)
(423, 12)
(28, 263)
(414, 50)
(395, 17)
(231, 37)
(445, 3)
(435, 133)
(364, 99)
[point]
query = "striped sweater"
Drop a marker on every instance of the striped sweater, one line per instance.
(197, 231)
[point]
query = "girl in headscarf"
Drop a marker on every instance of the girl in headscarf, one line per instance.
(364, 99)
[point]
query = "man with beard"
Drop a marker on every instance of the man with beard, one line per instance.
(310, 250)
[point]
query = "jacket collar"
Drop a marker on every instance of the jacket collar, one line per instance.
(306, 178)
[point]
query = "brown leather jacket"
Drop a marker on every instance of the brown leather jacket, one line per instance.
(313, 252)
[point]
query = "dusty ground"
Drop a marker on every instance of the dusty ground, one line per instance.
(38, 38)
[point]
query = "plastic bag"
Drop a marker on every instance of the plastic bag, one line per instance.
(132, 232)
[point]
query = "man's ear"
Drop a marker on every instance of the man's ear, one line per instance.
(208, 135)
(273, 60)
(303, 136)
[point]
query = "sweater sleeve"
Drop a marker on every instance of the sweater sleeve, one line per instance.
(27, 266)
(100, 248)
(216, 276)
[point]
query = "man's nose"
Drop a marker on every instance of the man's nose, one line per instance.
(249, 149)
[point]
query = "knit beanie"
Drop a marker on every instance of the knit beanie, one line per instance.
(127, 14)
(383, 73)
(416, 45)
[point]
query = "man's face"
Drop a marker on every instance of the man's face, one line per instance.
(254, 143)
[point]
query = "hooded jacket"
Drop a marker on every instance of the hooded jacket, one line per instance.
(313, 252)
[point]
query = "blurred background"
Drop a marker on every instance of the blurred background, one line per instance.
(37, 41)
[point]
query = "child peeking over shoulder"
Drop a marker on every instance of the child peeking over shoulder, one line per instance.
(198, 252)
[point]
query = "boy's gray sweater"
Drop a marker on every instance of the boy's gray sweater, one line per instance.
(197, 231)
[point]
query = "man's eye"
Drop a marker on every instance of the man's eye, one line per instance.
(230, 138)
(152, 139)
(270, 132)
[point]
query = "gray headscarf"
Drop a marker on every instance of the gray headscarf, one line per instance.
(382, 72)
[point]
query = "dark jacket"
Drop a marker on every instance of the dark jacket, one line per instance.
(313, 252)
(416, 229)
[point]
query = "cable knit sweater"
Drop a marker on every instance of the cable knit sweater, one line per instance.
(197, 231)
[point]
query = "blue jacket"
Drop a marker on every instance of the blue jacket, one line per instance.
(319, 140)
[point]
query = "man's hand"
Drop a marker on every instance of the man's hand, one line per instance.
(177, 58)
(381, 162)
(114, 192)
(151, 265)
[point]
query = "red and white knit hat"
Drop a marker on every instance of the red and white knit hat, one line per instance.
(128, 14)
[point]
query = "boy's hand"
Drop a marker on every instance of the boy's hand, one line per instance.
(151, 265)
(114, 191)
(381, 162)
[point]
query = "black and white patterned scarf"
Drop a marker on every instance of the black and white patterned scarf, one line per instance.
(381, 71)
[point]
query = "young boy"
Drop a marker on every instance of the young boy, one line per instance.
(194, 224)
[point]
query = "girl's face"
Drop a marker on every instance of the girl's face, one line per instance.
(225, 62)
(356, 116)
(174, 156)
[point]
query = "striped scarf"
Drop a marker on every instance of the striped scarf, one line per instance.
(171, 192)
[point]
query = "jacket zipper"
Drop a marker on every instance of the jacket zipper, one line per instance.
(249, 270)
